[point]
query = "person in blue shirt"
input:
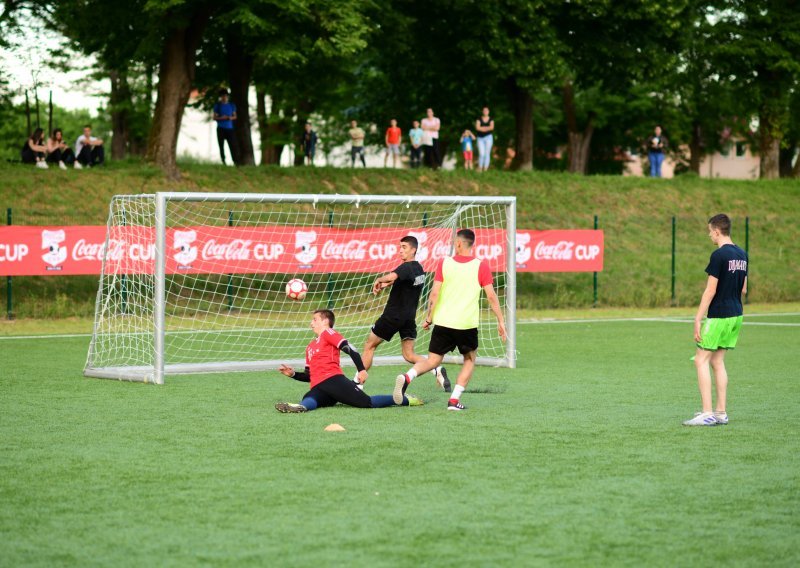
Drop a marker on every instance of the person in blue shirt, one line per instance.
(225, 114)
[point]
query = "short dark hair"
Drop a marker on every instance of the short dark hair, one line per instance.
(722, 223)
(223, 92)
(467, 235)
(328, 315)
(412, 241)
(89, 126)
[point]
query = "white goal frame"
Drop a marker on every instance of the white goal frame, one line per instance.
(156, 373)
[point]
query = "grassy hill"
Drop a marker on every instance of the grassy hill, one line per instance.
(635, 213)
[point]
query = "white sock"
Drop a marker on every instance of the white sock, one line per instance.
(457, 390)
(411, 374)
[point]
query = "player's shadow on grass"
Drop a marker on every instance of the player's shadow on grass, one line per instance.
(487, 390)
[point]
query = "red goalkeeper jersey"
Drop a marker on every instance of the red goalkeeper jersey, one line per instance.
(322, 356)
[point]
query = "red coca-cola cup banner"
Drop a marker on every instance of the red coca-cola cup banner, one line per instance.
(28, 251)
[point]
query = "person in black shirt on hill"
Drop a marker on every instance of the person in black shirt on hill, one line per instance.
(721, 305)
(399, 315)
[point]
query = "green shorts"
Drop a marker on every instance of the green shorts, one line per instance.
(720, 333)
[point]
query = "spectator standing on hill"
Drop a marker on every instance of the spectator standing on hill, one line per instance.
(656, 145)
(392, 138)
(721, 306)
(484, 126)
(88, 149)
(34, 150)
(415, 138)
(225, 114)
(58, 152)
(466, 148)
(430, 139)
(309, 143)
(357, 141)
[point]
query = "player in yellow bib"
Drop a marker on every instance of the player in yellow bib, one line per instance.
(454, 312)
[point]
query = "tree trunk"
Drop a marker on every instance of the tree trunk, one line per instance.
(578, 143)
(770, 145)
(119, 105)
(270, 151)
(240, 70)
(175, 75)
(522, 103)
(696, 148)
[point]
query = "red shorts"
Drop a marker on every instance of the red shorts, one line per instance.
(468, 156)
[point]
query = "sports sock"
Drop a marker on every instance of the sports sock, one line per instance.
(384, 400)
(456, 395)
(411, 374)
(309, 403)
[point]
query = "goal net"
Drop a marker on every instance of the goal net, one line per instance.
(195, 282)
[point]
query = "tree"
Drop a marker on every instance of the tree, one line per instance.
(759, 43)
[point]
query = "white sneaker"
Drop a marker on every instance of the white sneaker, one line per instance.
(77, 165)
(701, 419)
(62, 165)
(41, 165)
(441, 378)
(721, 417)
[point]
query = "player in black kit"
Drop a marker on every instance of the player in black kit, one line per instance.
(399, 315)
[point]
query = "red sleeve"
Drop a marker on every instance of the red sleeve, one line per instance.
(485, 274)
(333, 337)
(439, 277)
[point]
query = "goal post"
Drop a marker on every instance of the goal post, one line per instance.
(195, 282)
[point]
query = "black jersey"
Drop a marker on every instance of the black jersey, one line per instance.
(405, 291)
(729, 265)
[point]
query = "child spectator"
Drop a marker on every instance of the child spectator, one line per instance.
(393, 136)
(415, 137)
(466, 148)
(33, 151)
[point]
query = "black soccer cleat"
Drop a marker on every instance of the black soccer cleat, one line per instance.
(445, 381)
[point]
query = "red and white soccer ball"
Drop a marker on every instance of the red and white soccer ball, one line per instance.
(296, 289)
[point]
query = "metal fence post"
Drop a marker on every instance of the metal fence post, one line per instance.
(747, 251)
(673, 261)
(9, 285)
(230, 276)
(594, 276)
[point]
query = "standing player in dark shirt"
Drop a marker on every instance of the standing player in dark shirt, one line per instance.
(722, 304)
(399, 315)
(324, 372)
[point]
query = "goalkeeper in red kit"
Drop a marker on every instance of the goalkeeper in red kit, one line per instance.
(323, 371)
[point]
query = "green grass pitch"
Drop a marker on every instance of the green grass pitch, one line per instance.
(578, 457)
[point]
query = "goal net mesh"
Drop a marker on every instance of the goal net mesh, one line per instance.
(227, 264)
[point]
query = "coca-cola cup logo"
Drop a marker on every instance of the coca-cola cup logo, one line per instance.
(562, 250)
(183, 242)
(523, 249)
(56, 253)
(237, 249)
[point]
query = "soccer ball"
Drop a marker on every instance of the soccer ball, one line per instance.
(296, 289)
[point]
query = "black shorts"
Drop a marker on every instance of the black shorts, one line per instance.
(445, 339)
(339, 388)
(386, 327)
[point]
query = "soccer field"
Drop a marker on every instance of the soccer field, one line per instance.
(577, 457)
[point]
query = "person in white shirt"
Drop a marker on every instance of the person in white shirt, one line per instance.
(88, 149)
(430, 140)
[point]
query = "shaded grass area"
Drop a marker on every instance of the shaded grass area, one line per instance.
(635, 213)
(575, 458)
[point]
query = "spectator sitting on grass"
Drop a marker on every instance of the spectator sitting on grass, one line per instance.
(88, 149)
(33, 151)
(58, 152)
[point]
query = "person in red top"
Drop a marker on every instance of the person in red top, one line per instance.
(393, 135)
(324, 372)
